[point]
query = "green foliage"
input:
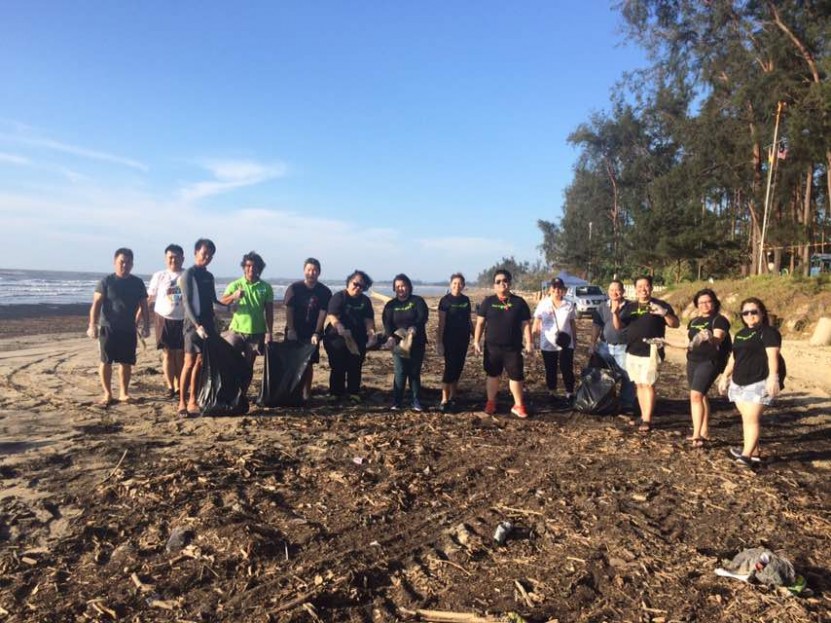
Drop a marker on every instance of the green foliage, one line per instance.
(673, 179)
(526, 276)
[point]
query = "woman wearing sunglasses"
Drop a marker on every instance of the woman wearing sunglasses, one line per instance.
(752, 375)
(350, 331)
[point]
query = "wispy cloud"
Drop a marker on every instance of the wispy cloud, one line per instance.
(75, 150)
(230, 175)
(14, 159)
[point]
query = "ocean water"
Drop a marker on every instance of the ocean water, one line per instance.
(27, 287)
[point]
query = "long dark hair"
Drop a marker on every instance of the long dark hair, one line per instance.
(763, 311)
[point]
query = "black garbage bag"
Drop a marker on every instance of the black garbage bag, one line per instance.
(597, 393)
(283, 368)
(603, 363)
(223, 378)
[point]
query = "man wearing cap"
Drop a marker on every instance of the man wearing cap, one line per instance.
(612, 343)
(505, 319)
(645, 321)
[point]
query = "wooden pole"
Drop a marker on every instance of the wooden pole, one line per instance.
(772, 157)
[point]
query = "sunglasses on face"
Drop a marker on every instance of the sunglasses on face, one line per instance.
(358, 284)
(499, 281)
(750, 312)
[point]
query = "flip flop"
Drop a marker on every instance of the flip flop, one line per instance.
(182, 413)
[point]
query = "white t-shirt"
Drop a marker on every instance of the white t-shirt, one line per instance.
(164, 285)
(553, 320)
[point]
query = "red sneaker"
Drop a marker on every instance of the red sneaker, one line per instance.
(490, 407)
(519, 411)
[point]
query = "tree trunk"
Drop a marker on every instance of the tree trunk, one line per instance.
(808, 220)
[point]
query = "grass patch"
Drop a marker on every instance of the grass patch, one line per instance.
(795, 303)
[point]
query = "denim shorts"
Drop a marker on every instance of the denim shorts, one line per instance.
(755, 393)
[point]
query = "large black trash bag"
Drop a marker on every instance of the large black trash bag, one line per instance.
(283, 368)
(223, 377)
(597, 393)
(603, 363)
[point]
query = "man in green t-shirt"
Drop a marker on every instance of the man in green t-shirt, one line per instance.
(251, 326)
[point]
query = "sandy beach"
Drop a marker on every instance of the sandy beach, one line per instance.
(334, 513)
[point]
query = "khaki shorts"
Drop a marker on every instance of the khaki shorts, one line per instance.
(643, 370)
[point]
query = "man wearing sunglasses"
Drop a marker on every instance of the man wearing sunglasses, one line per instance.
(505, 319)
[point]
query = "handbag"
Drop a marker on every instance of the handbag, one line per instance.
(562, 339)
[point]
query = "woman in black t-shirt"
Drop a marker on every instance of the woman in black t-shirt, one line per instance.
(753, 375)
(405, 322)
(350, 331)
(453, 339)
(706, 333)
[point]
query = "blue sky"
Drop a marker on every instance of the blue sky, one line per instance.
(422, 137)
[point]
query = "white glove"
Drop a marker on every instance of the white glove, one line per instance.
(314, 339)
(200, 331)
(699, 338)
(411, 330)
(658, 310)
(92, 331)
(269, 338)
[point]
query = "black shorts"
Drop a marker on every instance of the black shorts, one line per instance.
(193, 343)
(498, 359)
(701, 375)
(117, 346)
(169, 333)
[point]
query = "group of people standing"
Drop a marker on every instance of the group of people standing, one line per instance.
(628, 335)
(748, 367)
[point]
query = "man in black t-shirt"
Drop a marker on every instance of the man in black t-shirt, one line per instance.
(506, 320)
(645, 320)
(306, 304)
(198, 299)
(112, 320)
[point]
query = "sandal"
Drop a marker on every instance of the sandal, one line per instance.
(643, 425)
(182, 413)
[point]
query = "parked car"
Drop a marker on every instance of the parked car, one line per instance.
(586, 298)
